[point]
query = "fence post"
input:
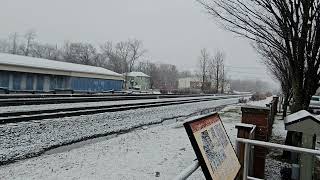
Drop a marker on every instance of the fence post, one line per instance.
(276, 102)
(244, 131)
(258, 116)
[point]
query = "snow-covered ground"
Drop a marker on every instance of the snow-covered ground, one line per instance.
(139, 154)
(136, 155)
(273, 164)
(26, 139)
(156, 152)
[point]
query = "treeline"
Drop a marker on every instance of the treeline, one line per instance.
(163, 76)
(250, 86)
(128, 56)
(120, 57)
(212, 71)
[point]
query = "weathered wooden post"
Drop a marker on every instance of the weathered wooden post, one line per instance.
(275, 100)
(304, 122)
(258, 116)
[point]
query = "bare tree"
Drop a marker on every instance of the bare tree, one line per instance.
(144, 66)
(88, 54)
(291, 28)
(113, 61)
(14, 43)
(152, 70)
(223, 79)
(46, 51)
(4, 46)
(167, 77)
(38, 51)
(130, 51)
(123, 55)
(204, 63)
(162, 76)
(136, 52)
(217, 64)
(122, 50)
(29, 36)
(66, 52)
(81, 53)
(278, 68)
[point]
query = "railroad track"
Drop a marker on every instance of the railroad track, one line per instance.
(18, 100)
(59, 100)
(15, 96)
(22, 116)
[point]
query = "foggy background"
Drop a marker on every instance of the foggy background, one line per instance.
(173, 31)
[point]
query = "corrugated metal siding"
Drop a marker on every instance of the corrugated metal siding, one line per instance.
(32, 81)
(29, 82)
(57, 82)
(95, 85)
(60, 82)
(52, 83)
(4, 79)
(40, 82)
(16, 81)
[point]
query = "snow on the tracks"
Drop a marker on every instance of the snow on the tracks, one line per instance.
(25, 139)
(159, 152)
(141, 154)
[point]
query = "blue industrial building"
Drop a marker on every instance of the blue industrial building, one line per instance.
(22, 73)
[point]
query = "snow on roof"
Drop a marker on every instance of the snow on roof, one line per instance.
(26, 61)
(249, 106)
(136, 74)
(299, 116)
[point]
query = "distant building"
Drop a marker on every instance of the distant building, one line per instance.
(196, 83)
(23, 73)
(189, 83)
(137, 80)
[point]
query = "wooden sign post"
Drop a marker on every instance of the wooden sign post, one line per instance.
(213, 148)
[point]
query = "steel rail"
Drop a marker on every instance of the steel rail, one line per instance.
(54, 110)
(12, 96)
(58, 113)
(57, 100)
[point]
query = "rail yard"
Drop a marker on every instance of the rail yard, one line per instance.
(32, 129)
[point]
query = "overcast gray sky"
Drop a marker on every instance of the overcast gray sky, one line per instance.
(173, 31)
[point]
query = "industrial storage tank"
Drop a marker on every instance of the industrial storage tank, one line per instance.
(23, 73)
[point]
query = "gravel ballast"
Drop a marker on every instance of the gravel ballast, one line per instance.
(27, 139)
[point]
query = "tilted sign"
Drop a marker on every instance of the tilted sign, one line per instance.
(213, 148)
